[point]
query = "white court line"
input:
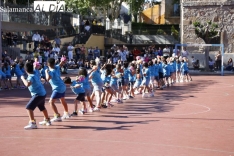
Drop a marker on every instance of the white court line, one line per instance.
(194, 113)
(125, 142)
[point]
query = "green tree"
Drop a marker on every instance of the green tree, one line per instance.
(85, 6)
(207, 32)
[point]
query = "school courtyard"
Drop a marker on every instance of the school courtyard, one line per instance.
(189, 119)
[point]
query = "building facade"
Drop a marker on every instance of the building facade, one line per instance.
(218, 11)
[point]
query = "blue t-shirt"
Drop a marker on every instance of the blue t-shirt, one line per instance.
(171, 67)
(156, 69)
(56, 82)
(146, 73)
(184, 66)
(152, 70)
(43, 71)
(18, 72)
(131, 76)
(126, 73)
(2, 73)
(8, 70)
(36, 87)
(79, 89)
(85, 83)
(37, 73)
(178, 66)
(160, 68)
(96, 78)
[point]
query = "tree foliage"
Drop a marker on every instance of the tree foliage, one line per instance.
(206, 31)
(85, 7)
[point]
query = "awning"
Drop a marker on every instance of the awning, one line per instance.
(21, 27)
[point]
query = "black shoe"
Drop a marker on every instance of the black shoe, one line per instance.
(74, 113)
(104, 106)
(131, 97)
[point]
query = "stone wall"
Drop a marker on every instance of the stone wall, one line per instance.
(219, 11)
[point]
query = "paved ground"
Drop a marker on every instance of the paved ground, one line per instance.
(190, 119)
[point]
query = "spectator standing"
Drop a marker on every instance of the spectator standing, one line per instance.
(130, 56)
(123, 55)
(56, 49)
(160, 52)
(24, 41)
(36, 38)
(46, 54)
(82, 53)
(77, 51)
(185, 53)
(136, 52)
(166, 51)
(15, 39)
(57, 41)
(90, 53)
(218, 61)
(70, 51)
(9, 38)
(96, 53)
(143, 50)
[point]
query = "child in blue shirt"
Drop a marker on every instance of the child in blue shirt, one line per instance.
(42, 72)
(2, 79)
(97, 83)
(185, 71)
(152, 74)
(146, 80)
(18, 74)
(178, 70)
(7, 71)
(38, 94)
(132, 79)
(87, 87)
(77, 88)
(58, 89)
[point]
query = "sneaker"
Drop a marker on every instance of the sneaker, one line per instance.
(81, 111)
(144, 95)
(66, 116)
(45, 122)
(56, 119)
(131, 97)
(119, 101)
(151, 95)
(90, 110)
(104, 106)
(74, 113)
(31, 125)
(96, 109)
(124, 98)
(136, 92)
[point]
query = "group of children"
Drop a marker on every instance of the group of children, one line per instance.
(108, 83)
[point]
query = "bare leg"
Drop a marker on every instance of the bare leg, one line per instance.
(52, 105)
(31, 115)
(45, 113)
(62, 100)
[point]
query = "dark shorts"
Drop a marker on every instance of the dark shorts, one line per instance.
(8, 76)
(160, 75)
(57, 95)
(185, 72)
(81, 97)
(36, 101)
(131, 83)
(156, 78)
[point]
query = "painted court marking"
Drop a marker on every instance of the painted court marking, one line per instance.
(125, 142)
(193, 113)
